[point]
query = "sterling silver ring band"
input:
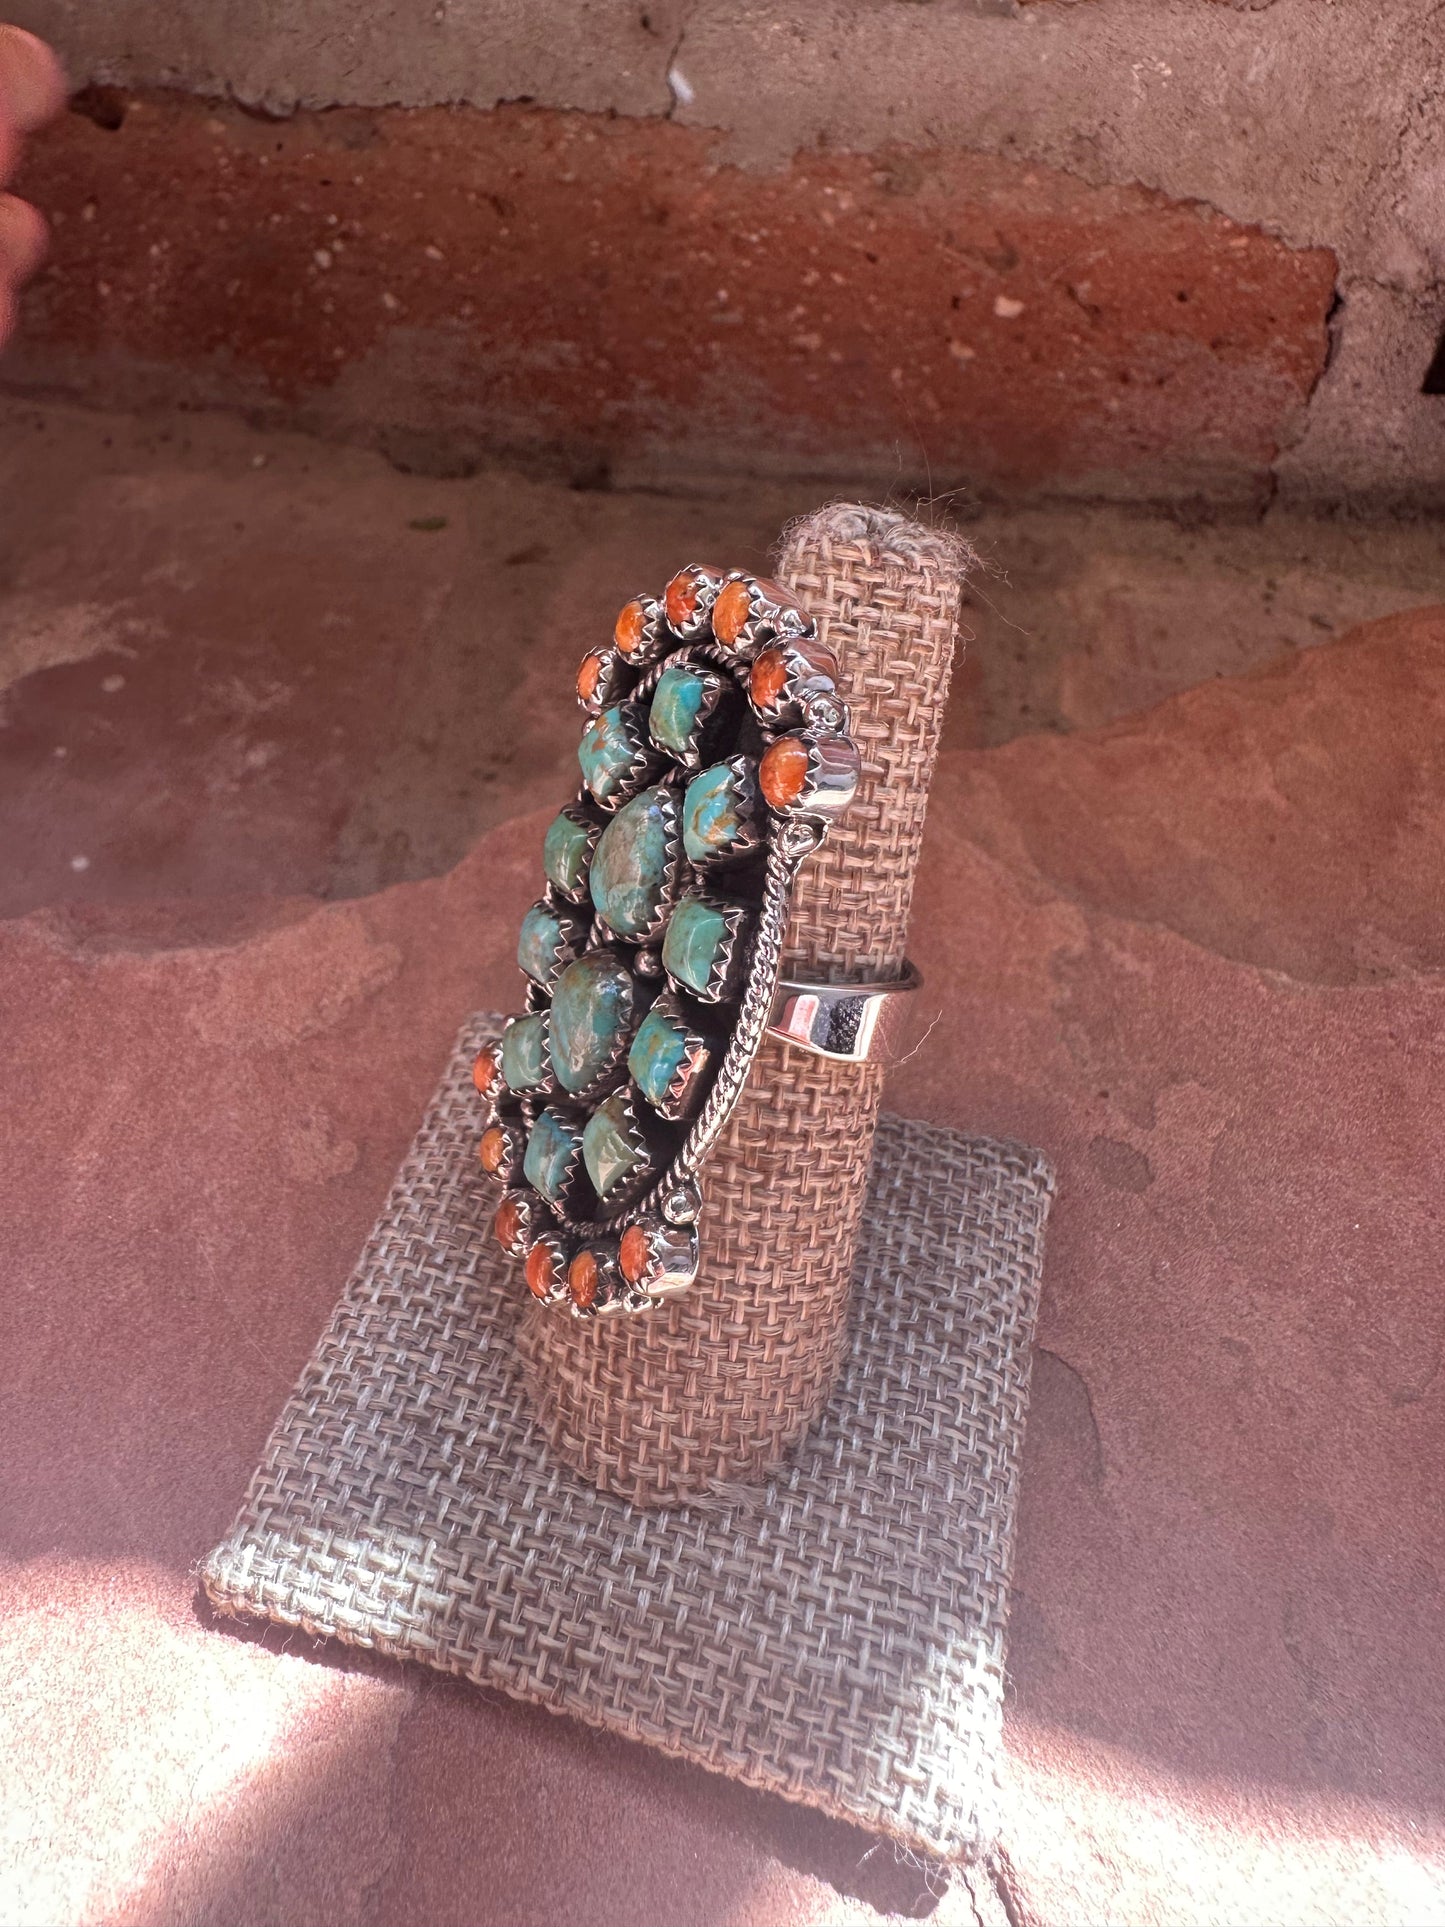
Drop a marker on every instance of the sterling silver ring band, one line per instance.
(852, 1023)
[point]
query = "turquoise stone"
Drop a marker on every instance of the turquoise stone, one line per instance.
(564, 853)
(537, 944)
(657, 1054)
(712, 819)
(551, 1155)
(695, 941)
(591, 1010)
(607, 752)
(677, 702)
(634, 859)
(611, 1145)
(524, 1061)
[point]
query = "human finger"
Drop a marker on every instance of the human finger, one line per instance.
(32, 85)
(23, 239)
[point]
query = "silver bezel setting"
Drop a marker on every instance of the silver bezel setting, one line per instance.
(834, 767)
(579, 813)
(603, 934)
(685, 1088)
(729, 959)
(571, 940)
(751, 812)
(575, 1184)
(643, 764)
(531, 1093)
(514, 1126)
(705, 580)
(613, 1293)
(560, 1252)
(613, 679)
(644, 1174)
(772, 612)
(494, 1089)
(532, 1218)
(654, 637)
(674, 1253)
(612, 1068)
(810, 678)
(690, 757)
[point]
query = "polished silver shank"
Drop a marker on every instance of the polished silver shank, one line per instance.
(852, 1023)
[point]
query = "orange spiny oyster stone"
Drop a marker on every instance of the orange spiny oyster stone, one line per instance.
(589, 676)
(486, 1071)
(731, 611)
(635, 1254)
(541, 1270)
(508, 1223)
(680, 598)
(783, 772)
(582, 1279)
(628, 631)
(769, 677)
(493, 1148)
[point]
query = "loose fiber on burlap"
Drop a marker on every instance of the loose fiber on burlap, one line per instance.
(835, 1636)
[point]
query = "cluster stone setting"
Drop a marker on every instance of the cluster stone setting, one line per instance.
(714, 721)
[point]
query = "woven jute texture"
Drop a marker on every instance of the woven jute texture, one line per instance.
(835, 1636)
(719, 1386)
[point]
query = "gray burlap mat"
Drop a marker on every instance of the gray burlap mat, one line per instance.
(836, 1636)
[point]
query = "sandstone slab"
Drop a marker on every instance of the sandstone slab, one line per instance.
(1196, 956)
(1227, 1686)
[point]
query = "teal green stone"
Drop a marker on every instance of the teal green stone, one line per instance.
(537, 944)
(635, 856)
(524, 1061)
(564, 853)
(591, 1010)
(657, 1053)
(712, 819)
(695, 940)
(677, 703)
(611, 1147)
(606, 753)
(551, 1155)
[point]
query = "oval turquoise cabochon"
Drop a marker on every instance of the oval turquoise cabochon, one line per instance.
(591, 1012)
(635, 860)
(677, 703)
(712, 812)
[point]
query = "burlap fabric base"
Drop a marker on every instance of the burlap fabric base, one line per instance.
(835, 1636)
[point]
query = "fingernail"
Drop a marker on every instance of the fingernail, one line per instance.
(32, 87)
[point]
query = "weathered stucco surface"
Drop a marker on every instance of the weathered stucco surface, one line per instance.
(1317, 123)
(529, 280)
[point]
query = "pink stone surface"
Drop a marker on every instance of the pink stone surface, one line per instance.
(1195, 956)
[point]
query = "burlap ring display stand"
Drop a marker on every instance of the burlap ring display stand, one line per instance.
(721, 1385)
(834, 1634)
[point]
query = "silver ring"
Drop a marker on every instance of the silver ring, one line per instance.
(715, 760)
(851, 1023)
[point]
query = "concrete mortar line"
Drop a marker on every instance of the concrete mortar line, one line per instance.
(1100, 40)
(1085, 45)
(1123, 93)
(1040, 76)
